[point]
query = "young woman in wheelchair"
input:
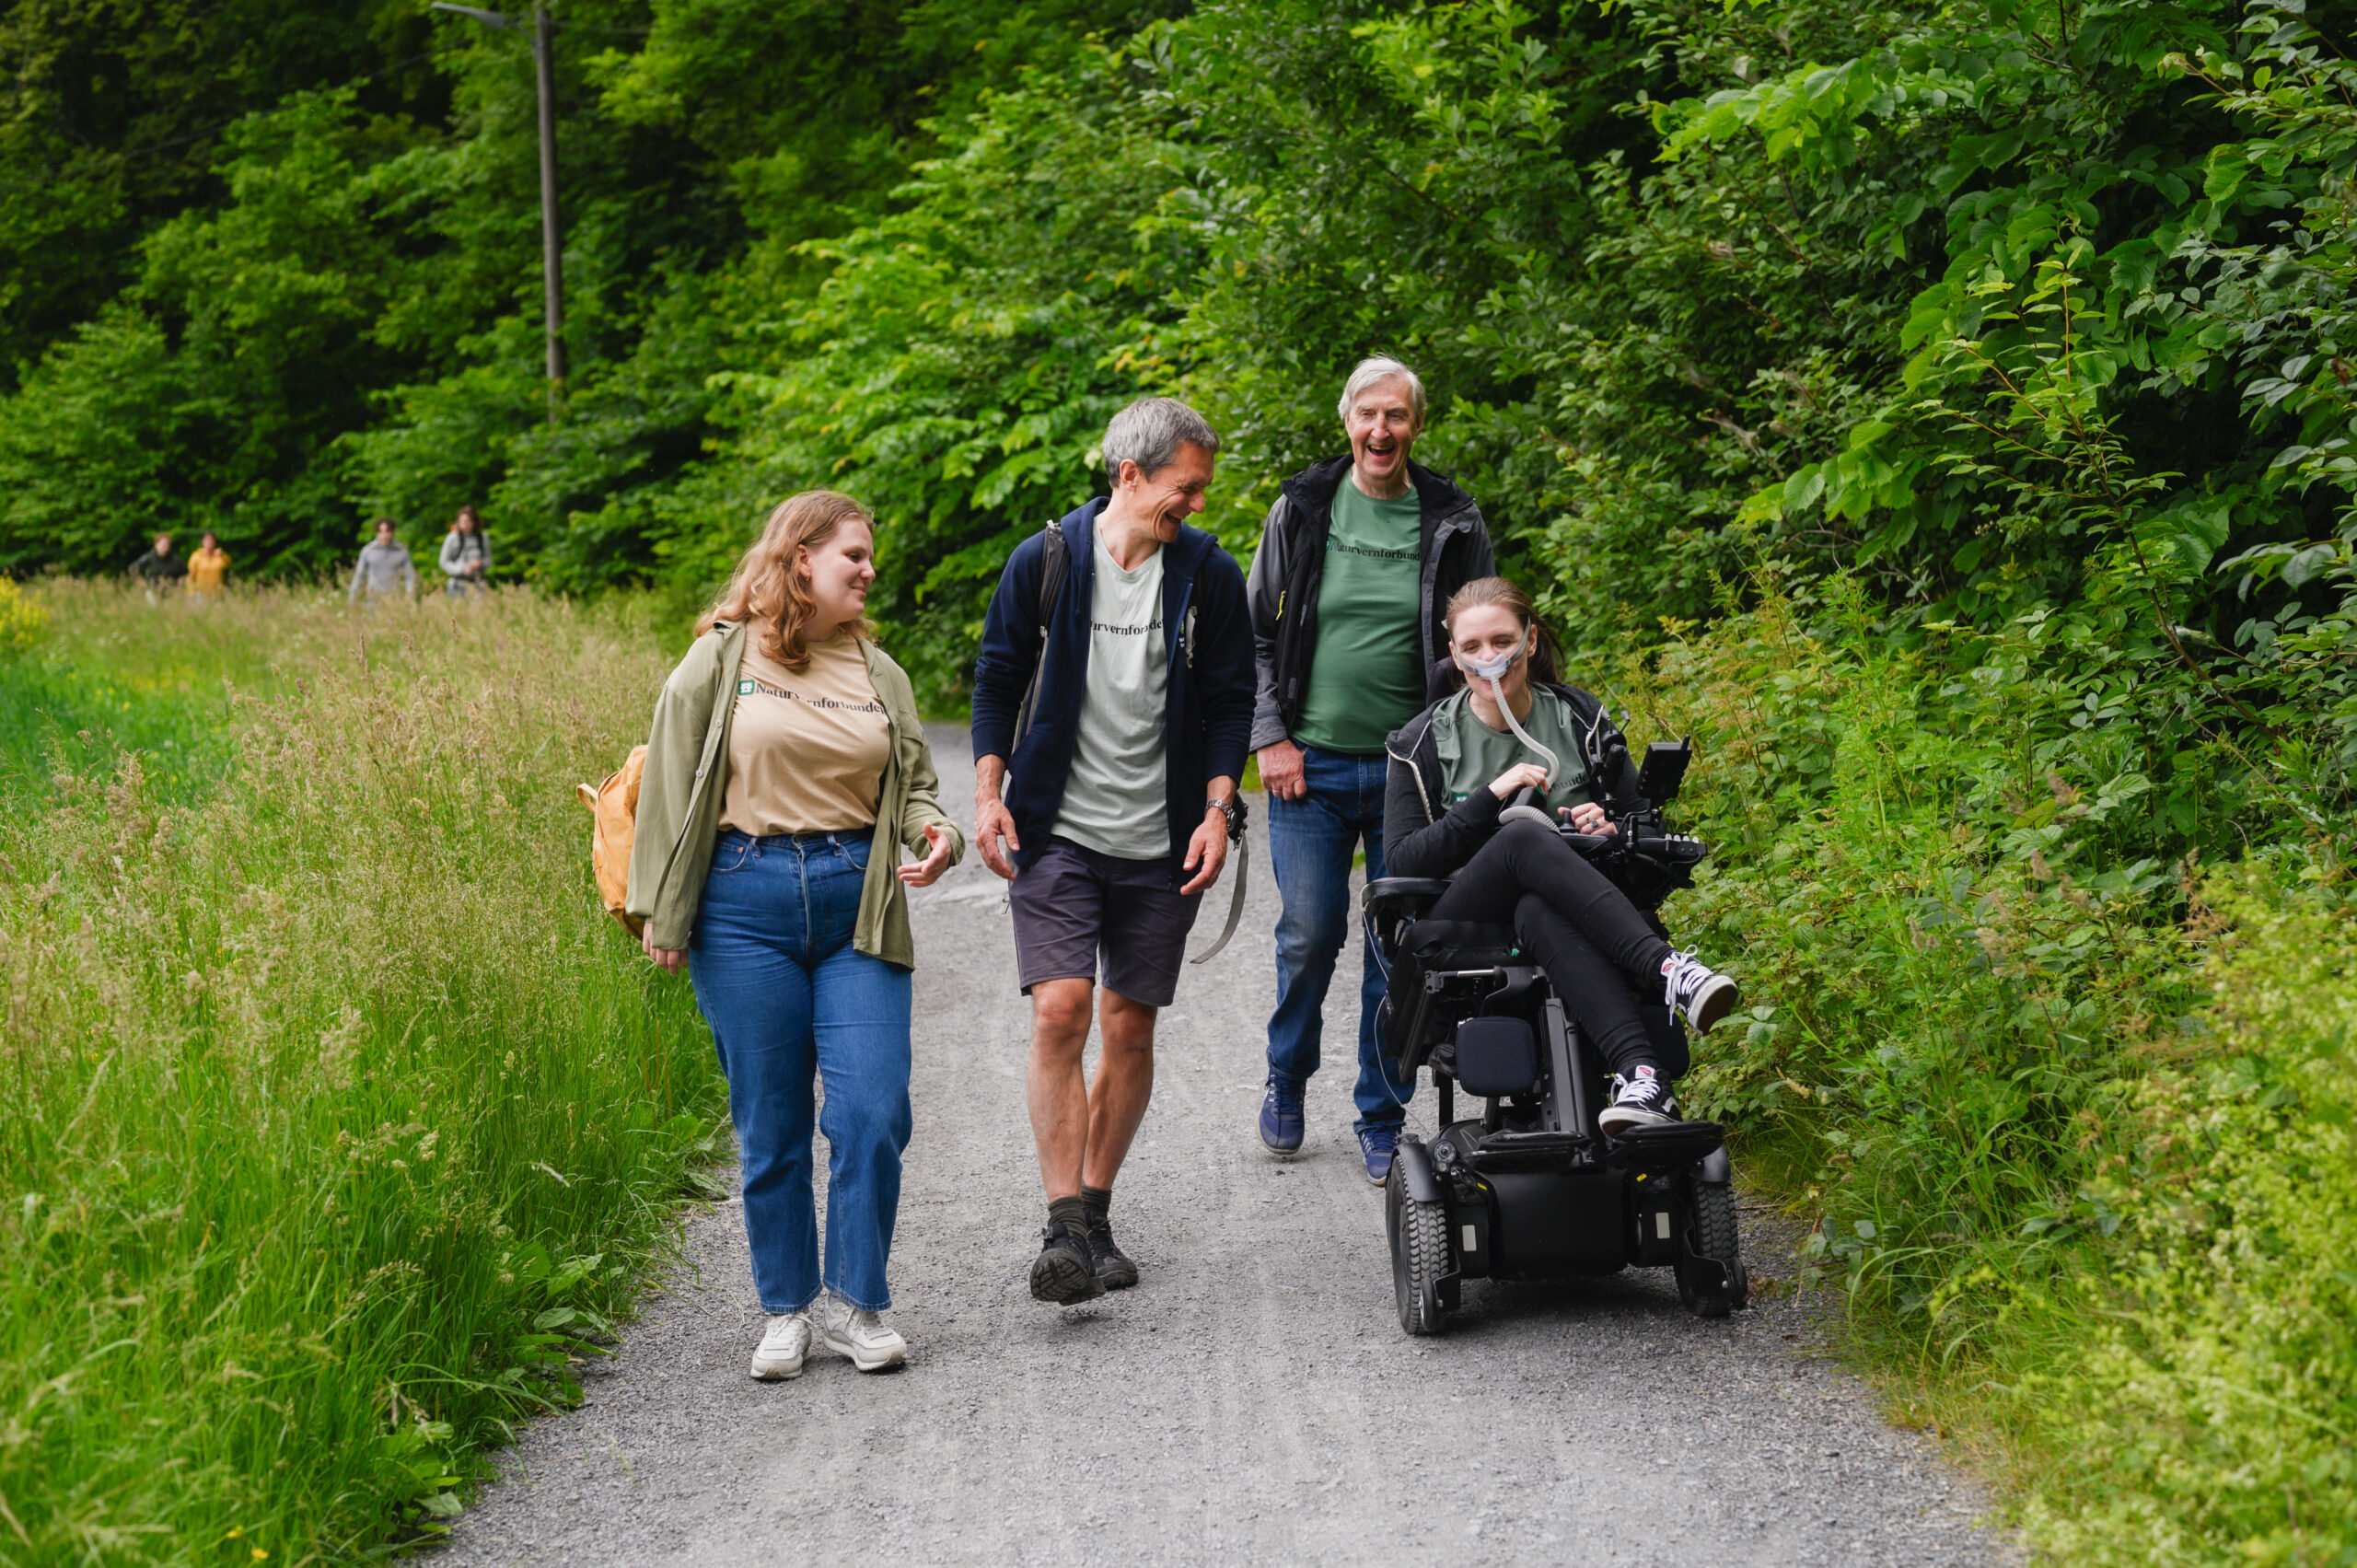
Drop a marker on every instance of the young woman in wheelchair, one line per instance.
(1455, 767)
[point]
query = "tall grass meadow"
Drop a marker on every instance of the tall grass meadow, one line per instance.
(338, 1120)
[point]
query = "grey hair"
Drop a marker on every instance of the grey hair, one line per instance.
(1381, 369)
(1149, 434)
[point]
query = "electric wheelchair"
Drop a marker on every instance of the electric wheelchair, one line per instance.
(1530, 1188)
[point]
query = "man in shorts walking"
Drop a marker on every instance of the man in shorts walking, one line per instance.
(1105, 793)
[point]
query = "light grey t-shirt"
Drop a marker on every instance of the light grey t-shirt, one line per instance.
(1115, 798)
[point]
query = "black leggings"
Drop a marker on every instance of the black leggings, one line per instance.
(1602, 954)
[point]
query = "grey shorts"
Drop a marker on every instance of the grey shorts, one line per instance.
(1082, 915)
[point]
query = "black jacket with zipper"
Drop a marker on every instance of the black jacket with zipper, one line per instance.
(1420, 839)
(1290, 565)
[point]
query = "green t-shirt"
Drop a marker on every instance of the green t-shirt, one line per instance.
(1366, 675)
(1472, 754)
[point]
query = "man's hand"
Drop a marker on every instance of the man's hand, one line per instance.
(666, 958)
(1208, 849)
(1588, 817)
(926, 872)
(1522, 776)
(993, 823)
(1281, 770)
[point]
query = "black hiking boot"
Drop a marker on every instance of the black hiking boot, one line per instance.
(1064, 1271)
(1113, 1265)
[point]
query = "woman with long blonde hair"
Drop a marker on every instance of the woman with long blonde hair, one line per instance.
(786, 770)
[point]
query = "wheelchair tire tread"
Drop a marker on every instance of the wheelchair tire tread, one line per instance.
(1423, 1244)
(1718, 1236)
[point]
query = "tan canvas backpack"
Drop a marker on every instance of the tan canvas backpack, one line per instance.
(613, 812)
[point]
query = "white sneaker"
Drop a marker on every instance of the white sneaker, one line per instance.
(1639, 1101)
(783, 1348)
(1701, 995)
(872, 1343)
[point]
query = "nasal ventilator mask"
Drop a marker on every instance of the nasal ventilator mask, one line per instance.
(1491, 670)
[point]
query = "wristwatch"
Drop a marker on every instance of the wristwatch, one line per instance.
(1231, 807)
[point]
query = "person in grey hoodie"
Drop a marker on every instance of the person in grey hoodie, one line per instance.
(466, 554)
(384, 567)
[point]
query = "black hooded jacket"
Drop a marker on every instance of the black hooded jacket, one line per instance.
(1290, 565)
(1421, 840)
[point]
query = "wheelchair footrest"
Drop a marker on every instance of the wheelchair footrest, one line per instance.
(1669, 1146)
(1502, 1152)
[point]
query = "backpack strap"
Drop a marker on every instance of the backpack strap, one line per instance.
(1056, 565)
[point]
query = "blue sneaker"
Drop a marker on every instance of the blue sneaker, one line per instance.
(1281, 1114)
(1378, 1142)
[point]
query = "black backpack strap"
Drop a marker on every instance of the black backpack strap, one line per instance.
(1056, 562)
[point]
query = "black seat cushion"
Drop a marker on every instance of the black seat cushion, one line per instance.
(1458, 944)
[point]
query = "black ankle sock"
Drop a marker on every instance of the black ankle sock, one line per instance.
(1099, 1200)
(1070, 1213)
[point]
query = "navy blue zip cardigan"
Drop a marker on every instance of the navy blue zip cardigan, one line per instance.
(1210, 713)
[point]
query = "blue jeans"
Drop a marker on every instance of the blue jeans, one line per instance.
(1310, 841)
(787, 995)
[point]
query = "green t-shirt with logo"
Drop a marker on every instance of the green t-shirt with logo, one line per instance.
(1472, 754)
(1366, 675)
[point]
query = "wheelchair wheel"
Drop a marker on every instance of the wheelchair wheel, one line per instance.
(1418, 1256)
(1715, 1237)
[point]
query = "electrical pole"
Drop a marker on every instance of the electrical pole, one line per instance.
(552, 232)
(552, 229)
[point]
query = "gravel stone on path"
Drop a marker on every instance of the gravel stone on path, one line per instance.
(1252, 1401)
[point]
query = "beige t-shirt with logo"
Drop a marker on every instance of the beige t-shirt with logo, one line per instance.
(806, 750)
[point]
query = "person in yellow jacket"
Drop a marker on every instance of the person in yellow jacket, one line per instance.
(206, 568)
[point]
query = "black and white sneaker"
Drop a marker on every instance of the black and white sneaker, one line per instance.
(1640, 1100)
(1113, 1265)
(1064, 1271)
(1699, 994)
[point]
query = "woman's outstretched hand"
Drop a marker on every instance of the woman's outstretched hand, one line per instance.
(1522, 776)
(667, 958)
(926, 872)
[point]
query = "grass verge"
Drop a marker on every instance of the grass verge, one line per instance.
(335, 1129)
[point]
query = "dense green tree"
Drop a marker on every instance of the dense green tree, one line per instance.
(114, 113)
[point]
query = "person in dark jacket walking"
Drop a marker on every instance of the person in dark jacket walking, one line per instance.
(1452, 770)
(1358, 557)
(159, 566)
(1105, 798)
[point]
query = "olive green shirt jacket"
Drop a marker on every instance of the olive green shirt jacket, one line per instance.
(687, 776)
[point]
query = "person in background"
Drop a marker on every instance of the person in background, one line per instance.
(159, 566)
(1359, 556)
(786, 770)
(384, 567)
(206, 568)
(1118, 800)
(466, 554)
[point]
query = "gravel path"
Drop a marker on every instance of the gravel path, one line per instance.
(1252, 1401)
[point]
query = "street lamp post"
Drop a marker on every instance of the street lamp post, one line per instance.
(552, 231)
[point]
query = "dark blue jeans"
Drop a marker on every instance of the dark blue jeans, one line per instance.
(788, 997)
(1310, 842)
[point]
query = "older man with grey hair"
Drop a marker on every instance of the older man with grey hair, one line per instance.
(1357, 564)
(1112, 701)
